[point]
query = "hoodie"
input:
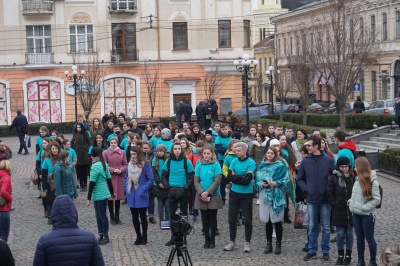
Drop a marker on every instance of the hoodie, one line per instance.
(222, 144)
(194, 157)
(347, 149)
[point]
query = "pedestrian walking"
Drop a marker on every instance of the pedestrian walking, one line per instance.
(159, 190)
(179, 113)
(364, 199)
(80, 143)
(64, 183)
(6, 194)
(358, 106)
(21, 125)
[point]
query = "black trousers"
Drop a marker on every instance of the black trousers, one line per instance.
(111, 204)
(81, 173)
(247, 207)
(22, 144)
(183, 205)
(136, 213)
(269, 230)
(209, 220)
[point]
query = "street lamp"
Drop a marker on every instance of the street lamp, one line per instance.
(270, 76)
(246, 67)
(75, 77)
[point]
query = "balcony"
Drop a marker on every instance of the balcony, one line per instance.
(128, 56)
(122, 6)
(37, 7)
(39, 59)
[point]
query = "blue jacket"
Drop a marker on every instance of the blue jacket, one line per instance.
(139, 198)
(19, 123)
(67, 244)
(312, 177)
(64, 181)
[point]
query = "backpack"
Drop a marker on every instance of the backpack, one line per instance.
(380, 193)
(184, 165)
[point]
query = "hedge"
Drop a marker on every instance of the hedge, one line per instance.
(65, 127)
(390, 160)
(356, 121)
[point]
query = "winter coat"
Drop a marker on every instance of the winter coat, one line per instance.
(81, 143)
(149, 156)
(6, 154)
(64, 181)
(194, 157)
(139, 198)
(67, 244)
(339, 191)
(208, 178)
(361, 206)
(312, 177)
(358, 106)
(116, 160)
(347, 149)
(187, 109)
(201, 109)
(158, 192)
(249, 142)
(214, 109)
(257, 151)
(19, 123)
(5, 190)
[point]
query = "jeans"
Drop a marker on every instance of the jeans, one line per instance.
(100, 209)
(151, 205)
(4, 225)
(178, 120)
(163, 204)
(247, 206)
(343, 232)
(209, 220)
(364, 228)
(22, 143)
(324, 212)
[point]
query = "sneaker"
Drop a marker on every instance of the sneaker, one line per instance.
(258, 202)
(247, 248)
(309, 256)
(152, 220)
(25, 153)
(19, 152)
(231, 245)
(194, 219)
(325, 257)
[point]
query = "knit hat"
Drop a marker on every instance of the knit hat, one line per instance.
(161, 147)
(274, 142)
(208, 132)
(236, 135)
(166, 132)
(342, 161)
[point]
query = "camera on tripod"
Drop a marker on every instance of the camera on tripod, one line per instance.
(179, 225)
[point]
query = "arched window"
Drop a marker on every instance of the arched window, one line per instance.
(120, 96)
(4, 105)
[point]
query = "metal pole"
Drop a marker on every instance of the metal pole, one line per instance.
(76, 103)
(272, 93)
(246, 95)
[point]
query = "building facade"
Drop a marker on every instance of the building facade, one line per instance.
(182, 40)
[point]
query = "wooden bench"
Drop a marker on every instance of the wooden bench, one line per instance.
(142, 122)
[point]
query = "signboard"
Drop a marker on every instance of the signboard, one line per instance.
(357, 87)
(82, 86)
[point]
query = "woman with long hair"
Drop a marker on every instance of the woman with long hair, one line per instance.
(270, 131)
(6, 193)
(174, 130)
(98, 141)
(72, 159)
(185, 147)
(325, 148)
(80, 143)
(339, 190)
(116, 160)
(156, 137)
(301, 139)
(64, 183)
(207, 179)
(271, 179)
(100, 190)
(43, 133)
(96, 128)
(258, 148)
(138, 180)
(261, 128)
(251, 136)
(159, 191)
(38, 168)
(50, 158)
(189, 134)
(364, 199)
(148, 131)
(208, 139)
(197, 135)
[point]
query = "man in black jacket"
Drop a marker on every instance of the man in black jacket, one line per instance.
(21, 125)
(201, 112)
(179, 113)
(187, 111)
(358, 106)
(214, 111)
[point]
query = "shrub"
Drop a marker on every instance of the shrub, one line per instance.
(65, 127)
(389, 160)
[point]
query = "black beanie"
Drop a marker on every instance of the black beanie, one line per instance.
(208, 132)
(342, 161)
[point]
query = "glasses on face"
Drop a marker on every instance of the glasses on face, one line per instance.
(343, 167)
(308, 145)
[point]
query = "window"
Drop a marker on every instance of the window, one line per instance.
(260, 34)
(373, 79)
(120, 96)
(246, 33)
(397, 24)
(224, 33)
(372, 28)
(4, 104)
(297, 45)
(180, 35)
(123, 5)
(81, 38)
(38, 39)
(362, 29)
(278, 50)
(291, 45)
(384, 27)
(284, 47)
(123, 42)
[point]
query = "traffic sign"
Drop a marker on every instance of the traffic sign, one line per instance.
(357, 87)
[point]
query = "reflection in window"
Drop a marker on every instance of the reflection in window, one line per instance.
(124, 42)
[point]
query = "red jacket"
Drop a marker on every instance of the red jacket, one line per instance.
(5, 190)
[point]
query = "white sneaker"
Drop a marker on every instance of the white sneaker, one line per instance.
(247, 248)
(231, 245)
(258, 202)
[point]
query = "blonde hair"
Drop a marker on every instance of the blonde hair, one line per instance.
(391, 255)
(364, 176)
(6, 165)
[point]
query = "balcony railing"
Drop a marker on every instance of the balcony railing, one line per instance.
(128, 56)
(39, 59)
(121, 6)
(35, 7)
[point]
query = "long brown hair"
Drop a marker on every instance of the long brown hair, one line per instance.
(276, 154)
(141, 159)
(364, 176)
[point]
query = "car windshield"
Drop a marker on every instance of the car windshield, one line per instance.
(377, 104)
(390, 103)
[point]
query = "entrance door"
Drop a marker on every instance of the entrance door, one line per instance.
(178, 97)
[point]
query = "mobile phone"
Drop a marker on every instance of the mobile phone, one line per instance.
(208, 199)
(265, 181)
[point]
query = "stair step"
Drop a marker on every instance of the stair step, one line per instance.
(389, 135)
(386, 140)
(368, 148)
(382, 144)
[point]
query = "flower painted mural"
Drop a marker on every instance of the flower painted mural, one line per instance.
(3, 104)
(120, 96)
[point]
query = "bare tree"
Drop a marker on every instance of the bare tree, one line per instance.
(150, 75)
(345, 49)
(90, 87)
(212, 82)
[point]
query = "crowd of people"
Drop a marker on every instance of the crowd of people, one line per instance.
(190, 172)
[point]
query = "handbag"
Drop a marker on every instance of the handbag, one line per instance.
(381, 194)
(34, 177)
(301, 216)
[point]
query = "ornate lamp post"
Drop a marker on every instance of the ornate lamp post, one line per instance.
(247, 68)
(270, 76)
(75, 77)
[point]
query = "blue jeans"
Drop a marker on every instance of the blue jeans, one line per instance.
(163, 205)
(100, 208)
(324, 211)
(343, 232)
(364, 228)
(4, 225)
(178, 120)
(151, 205)
(22, 144)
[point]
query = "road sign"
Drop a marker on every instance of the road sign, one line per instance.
(357, 87)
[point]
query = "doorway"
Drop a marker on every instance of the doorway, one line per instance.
(178, 97)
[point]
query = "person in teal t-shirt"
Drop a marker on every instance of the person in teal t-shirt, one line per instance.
(39, 161)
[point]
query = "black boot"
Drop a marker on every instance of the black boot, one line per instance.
(45, 214)
(278, 248)
(372, 263)
(347, 258)
(144, 235)
(212, 242)
(138, 240)
(112, 219)
(286, 218)
(105, 240)
(268, 249)
(361, 262)
(340, 257)
(144, 240)
(206, 242)
(117, 220)
(152, 220)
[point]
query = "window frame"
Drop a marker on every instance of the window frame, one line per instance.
(373, 27)
(175, 30)
(123, 36)
(41, 38)
(87, 39)
(384, 27)
(397, 24)
(246, 33)
(220, 28)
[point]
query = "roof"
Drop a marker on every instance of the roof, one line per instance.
(267, 43)
(309, 5)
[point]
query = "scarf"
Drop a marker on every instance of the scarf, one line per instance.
(134, 173)
(300, 143)
(95, 159)
(116, 149)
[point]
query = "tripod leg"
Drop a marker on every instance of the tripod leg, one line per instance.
(171, 256)
(188, 258)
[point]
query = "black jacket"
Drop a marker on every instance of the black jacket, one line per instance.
(338, 195)
(187, 109)
(358, 106)
(214, 109)
(19, 123)
(179, 109)
(201, 109)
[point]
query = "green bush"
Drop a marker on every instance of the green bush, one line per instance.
(358, 121)
(65, 127)
(390, 160)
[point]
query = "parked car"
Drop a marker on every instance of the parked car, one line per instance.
(331, 109)
(277, 108)
(315, 108)
(348, 108)
(382, 107)
(295, 108)
(254, 112)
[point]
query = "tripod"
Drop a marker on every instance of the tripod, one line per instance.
(180, 249)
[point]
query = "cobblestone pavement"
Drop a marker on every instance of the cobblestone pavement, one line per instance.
(28, 224)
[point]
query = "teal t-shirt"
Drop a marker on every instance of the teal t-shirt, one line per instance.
(124, 142)
(224, 141)
(72, 156)
(166, 142)
(98, 175)
(47, 164)
(113, 135)
(241, 168)
(153, 142)
(177, 173)
(39, 140)
(160, 166)
(206, 173)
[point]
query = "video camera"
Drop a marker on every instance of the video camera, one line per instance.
(179, 225)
